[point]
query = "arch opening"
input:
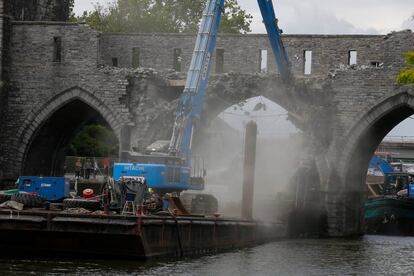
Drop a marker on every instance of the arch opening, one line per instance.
(50, 143)
(369, 142)
(358, 184)
(278, 150)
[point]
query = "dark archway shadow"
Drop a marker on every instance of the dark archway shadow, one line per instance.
(46, 152)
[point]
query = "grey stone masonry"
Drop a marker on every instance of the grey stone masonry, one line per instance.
(60, 76)
(242, 52)
(39, 85)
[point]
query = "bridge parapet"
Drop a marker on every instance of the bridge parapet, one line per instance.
(249, 53)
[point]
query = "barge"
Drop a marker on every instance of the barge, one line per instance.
(390, 216)
(390, 206)
(51, 233)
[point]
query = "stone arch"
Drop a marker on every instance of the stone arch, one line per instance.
(229, 89)
(373, 126)
(357, 149)
(39, 116)
(221, 146)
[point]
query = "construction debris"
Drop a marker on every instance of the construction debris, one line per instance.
(77, 211)
(12, 205)
(85, 211)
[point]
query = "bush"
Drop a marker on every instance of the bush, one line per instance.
(407, 76)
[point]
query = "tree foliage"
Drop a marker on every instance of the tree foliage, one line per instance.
(168, 16)
(94, 140)
(407, 76)
(235, 20)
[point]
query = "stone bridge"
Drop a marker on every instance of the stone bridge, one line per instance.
(58, 77)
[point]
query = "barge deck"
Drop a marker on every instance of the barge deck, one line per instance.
(43, 232)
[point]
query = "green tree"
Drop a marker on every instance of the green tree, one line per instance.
(235, 20)
(407, 76)
(169, 16)
(94, 140)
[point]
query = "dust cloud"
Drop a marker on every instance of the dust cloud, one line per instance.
(277, 158)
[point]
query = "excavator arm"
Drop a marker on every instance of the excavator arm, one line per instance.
(274, 33)
(192, 99)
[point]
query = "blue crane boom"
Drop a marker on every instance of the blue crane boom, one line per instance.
(380, 164)
(172, 171)
(192, 99)
(274, 34)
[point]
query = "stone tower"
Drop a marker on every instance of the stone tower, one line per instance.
(26, 10)
(23, 10)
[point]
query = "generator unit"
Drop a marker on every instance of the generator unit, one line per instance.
(49, 188)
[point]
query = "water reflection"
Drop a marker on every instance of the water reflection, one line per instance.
(369, 255)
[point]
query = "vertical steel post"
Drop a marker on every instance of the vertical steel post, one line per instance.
(249, 169)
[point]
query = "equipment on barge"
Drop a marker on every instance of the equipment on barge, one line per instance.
(390, 205)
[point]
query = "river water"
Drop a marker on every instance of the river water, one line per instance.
(369, 255)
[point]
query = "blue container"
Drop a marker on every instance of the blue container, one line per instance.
(411, 190)
(49, 188)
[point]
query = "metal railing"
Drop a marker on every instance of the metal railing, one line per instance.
(399, 139)
(98, 165)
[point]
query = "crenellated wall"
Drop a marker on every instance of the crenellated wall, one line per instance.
(242, 52)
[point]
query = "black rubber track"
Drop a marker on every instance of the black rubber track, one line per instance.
(28, 200)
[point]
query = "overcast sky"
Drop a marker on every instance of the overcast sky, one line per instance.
(325, 16)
